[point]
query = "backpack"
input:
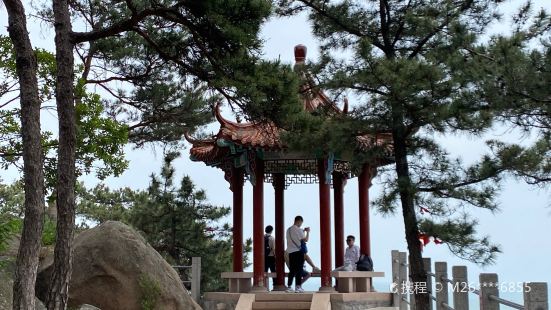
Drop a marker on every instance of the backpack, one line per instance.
(364, 263)
(303, 247)
(267, 248)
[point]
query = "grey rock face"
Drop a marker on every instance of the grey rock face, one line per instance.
(114, 268)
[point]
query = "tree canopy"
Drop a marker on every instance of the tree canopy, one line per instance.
(100, 138)
(162, 64)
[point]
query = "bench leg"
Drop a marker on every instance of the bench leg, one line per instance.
(234, 286)
(345, 285)
(363, 284)
(245, 285)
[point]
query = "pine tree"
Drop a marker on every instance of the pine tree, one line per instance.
(176, 57)
(519, 93)
(180, 223)
(176, 219)
(199, 40)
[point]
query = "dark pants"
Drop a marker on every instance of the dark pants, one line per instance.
(269, 264)
(296, 263)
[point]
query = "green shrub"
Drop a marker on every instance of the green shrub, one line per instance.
(48, 234)
(150, 290)
(12, 225)
(9, 226)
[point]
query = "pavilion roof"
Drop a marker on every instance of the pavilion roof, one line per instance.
(234, 137)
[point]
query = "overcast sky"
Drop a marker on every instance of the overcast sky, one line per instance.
(522, 227)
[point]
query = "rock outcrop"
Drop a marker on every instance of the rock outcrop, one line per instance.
(114, 268)
(7, 273)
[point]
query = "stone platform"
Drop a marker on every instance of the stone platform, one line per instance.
(303, 301)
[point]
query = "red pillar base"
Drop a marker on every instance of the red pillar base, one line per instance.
(326, 289)
(258, 289)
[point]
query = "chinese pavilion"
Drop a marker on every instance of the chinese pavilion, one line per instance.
(255, 151)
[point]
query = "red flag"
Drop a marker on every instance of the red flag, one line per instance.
(425, 238)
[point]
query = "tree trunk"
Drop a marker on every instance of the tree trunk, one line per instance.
(29, 248)
(65, 190)
(418, 274)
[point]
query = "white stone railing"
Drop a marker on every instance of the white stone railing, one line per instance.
(438, 285)
(195, 280)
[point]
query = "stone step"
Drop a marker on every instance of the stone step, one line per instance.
(277, 305)
(283, 296)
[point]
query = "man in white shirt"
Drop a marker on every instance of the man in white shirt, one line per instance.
(351, 255)
(295, 235)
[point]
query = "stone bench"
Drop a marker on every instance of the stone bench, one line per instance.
(348, 281)
(241, 282)
(355, 281)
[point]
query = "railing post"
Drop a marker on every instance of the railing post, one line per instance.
(489, 285)
(196, 278)
(441, 287)
(460, 288)
(404, 283)
(395, 256)
(428, 269)
(535, 296)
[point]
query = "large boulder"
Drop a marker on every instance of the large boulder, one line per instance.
(115, 268)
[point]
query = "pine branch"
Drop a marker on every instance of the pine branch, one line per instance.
(449, 18)
(401, 24)
(339, 22)
(117, 28)
(128, 78)
(368, 89)
(384, 16)
(443, 187)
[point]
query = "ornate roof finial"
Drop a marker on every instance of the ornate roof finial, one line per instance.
(300, 54)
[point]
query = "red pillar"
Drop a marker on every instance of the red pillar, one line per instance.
(325, 228)
(338, 189)
(279, 187)
(364, 182)
(237, 187)
(258, 227)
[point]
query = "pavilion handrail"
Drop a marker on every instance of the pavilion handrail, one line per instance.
(535, 293)
(506, 302)
(490, 296)
(476, 292)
